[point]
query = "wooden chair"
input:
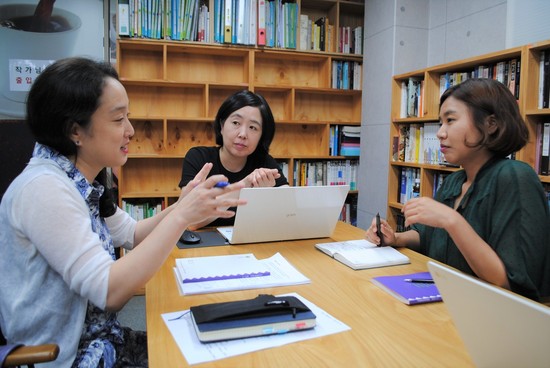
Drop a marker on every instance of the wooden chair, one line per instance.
(28, 356)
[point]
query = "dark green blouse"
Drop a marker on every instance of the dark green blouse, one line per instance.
(506, 205)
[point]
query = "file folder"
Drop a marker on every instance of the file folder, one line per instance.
(261, 22)
(227, 21)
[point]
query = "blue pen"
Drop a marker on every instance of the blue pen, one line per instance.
(221, 184)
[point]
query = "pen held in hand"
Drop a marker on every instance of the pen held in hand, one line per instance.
(379, 231)
(420, 281)
(221, 184)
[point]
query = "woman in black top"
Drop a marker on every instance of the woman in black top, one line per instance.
(244, 128)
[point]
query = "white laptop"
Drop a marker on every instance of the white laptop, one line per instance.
(498, 327)
(286, 213)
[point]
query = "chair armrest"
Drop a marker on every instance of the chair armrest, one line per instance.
(32, 355)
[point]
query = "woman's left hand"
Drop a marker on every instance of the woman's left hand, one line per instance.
(427, 211)
(262, 178)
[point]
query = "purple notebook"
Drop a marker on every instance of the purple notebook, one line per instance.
(409, 292)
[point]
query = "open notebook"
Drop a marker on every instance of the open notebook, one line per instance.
(286, 213)
(498, 327)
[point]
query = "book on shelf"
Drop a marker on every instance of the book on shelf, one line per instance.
(275, 271)
(263, 315)
(227, 22)
(123, 18)
(405, 290)
(362, 254)
(545, 150)
(261, 22)
(322, 23)
(414, 102)
(332, 172)
(545, 79)
(408, 177)
(358, 40)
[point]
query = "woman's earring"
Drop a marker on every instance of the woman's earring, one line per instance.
(77, 143)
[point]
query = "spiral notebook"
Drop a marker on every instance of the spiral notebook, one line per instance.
(411, 293)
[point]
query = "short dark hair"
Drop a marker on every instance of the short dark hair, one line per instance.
(239, 100)
(485, 97)
(66, 92)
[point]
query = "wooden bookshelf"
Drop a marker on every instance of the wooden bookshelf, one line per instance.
(175, 89)
(528, 56)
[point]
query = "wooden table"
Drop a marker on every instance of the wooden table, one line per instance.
(384, 332)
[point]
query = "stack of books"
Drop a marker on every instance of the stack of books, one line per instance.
(350, 138)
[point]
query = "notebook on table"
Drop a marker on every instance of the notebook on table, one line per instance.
(286, 213)
(498, 327)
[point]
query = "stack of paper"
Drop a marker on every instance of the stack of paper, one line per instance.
(201, 275)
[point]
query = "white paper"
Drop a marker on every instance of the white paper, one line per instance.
(181, 327)
(282, 273)
(203, 269)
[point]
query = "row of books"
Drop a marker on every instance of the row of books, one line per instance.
(349, 211)
(164, 19)
(544, 80)
(351, 40)
(346, 74)
(412, 98)
(140, 210)
(507, 72)
(410, 183)
(417, 143)
(318, 35)
(331, 172)
(345, 140)
(271, 23)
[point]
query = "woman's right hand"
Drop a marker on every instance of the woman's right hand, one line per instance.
(386, 230)
(200, 200)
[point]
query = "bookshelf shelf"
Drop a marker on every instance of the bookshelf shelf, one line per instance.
(526, 60)
(176, 87)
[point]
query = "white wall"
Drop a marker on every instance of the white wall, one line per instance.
(528, 21)
(465, 28)
(89, 42)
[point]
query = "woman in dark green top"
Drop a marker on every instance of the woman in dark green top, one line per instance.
(490, 219)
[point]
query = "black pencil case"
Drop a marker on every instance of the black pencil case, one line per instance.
(262, 306)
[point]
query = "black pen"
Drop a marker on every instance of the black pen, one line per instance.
(420, 281)
(378, 231)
